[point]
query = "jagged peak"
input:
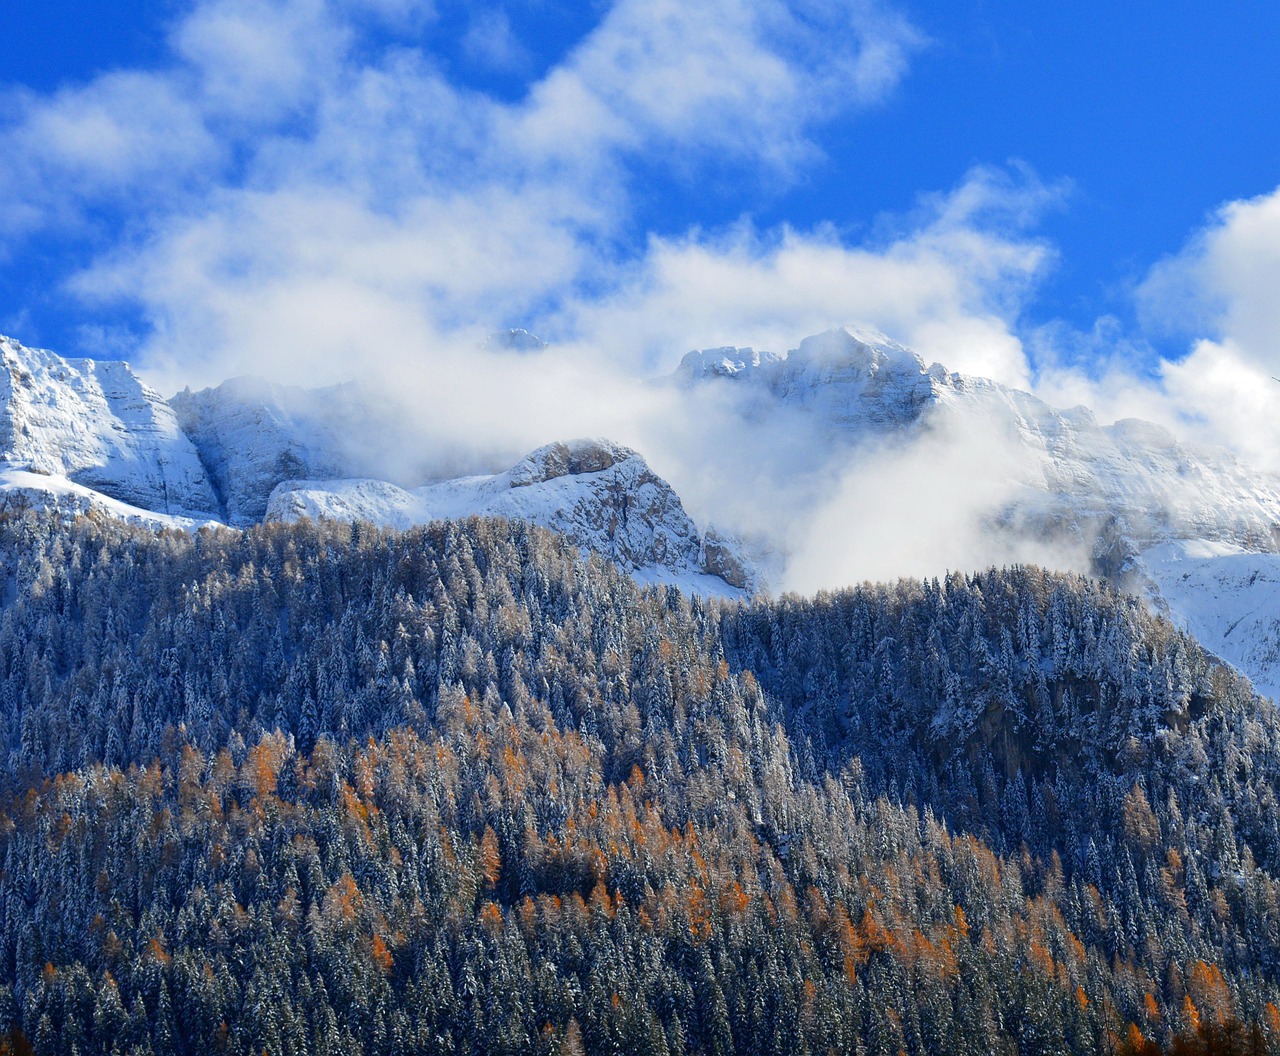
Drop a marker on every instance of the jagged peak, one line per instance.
(866, 351)
(724, 362)
(97, 424)
(856, 346)
(567, 458)
(17, 356)
(516, 339)
(255, 389)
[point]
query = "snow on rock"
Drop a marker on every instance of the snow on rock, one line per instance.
(376, 501)
(97, 424)
(251, 435)
(21, 489)
(1226, 597)
(726, 362)
(600, 495)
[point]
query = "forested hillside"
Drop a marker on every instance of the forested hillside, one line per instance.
(320, 789)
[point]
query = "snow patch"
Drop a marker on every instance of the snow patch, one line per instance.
(21, 488)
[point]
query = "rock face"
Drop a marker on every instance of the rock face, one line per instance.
(598, 494)
(98, 425)
(725, 557)
(1128, 485)
(252, 435)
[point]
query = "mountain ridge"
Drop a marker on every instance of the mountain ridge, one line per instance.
(249, 450)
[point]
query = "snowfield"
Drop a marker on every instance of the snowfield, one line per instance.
(1226, 597)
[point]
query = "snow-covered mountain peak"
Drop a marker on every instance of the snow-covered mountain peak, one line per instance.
(852, 378)
(846, 346)
(567, 458)
(598, 494)
(725, 362)
(96, 424)
(513, 340)
(834, 355)
(1128, 499)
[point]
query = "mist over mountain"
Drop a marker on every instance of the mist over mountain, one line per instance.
(846, 459)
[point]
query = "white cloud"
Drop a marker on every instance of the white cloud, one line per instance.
(489, 41)
(278, 82)
(1218, 294)
(920, 509)
(410, 216)
(126, 132)
(950, 287)
(1223, 285)
(259, 60)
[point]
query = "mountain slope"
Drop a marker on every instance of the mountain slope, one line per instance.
(461, 789)
(1226, 596)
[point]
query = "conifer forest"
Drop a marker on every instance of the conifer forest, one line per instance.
(328, 789)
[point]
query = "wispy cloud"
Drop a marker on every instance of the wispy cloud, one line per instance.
(948, 280)
(490, 42)
(1217, 297)
(295, 184)
(302, 193)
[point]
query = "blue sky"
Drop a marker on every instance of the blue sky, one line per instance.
(1079, 198)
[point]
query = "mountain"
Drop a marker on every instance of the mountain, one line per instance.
(513, 340)
(1228, 597)
(1193, 530)
(599, 495)
(308, 785)
(91, 436)
(1147, 511)
(98, 426)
